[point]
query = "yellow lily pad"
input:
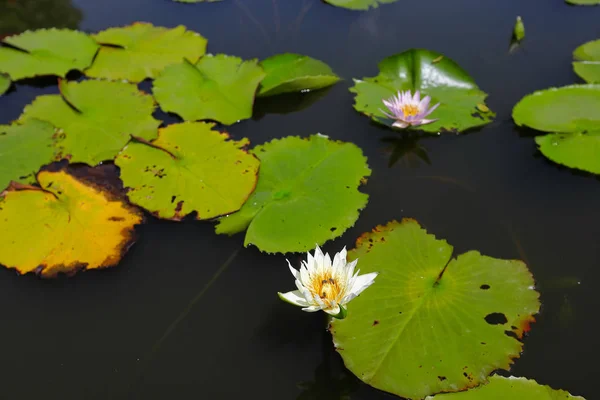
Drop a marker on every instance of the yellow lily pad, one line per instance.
(64, 225)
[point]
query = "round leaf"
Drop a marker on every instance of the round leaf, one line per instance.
(141, 51)
(97, 118)
(568, 109)
(500, 388)
(431, 324)
(4, 83)
(574, 150)
(433, 75)
(189, 167)
(286, 73)
(220, 88)
(588, 66)
(46, 52)
(64, 226)
(24, 149)
(307, 193)
(358, 4)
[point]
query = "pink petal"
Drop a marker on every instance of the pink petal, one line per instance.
(432, 109)
(400, 124)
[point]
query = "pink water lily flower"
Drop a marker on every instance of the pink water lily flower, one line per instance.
(409, 110)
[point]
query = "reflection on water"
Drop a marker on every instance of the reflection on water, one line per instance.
(406, 147)
(20, 15)
(286, 103)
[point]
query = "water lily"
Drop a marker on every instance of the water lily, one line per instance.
(409, 110)
(326, 285)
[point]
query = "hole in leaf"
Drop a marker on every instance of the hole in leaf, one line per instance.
(484, 287)
(496, 319)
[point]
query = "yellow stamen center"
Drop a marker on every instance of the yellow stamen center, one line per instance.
(326, 287)
(410, 110)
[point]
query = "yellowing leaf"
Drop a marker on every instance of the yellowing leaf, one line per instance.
(63, 226)
(142, 50)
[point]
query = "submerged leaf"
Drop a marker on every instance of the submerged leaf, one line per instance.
(519, 30)
(358, 4)
(500, 388)
(46, 52)
(64, 226)
(583, 2)
(587, 65)
(24, 149)
(97, 118)
(444, 81)
(288, 73)
(142, 50)
(307, 193)
(188, 168)
(568, 109)
(431, 323)
(219, 88)
(4, 83)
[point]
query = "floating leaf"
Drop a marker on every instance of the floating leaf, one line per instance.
(18, 16)
(64, 226)
(4, 83)
(588, 64)
(219, 88)
(287, 73)
(574, 150)
(568, 109)
(142, 50)
(443, 80)
(500, 388)
(24, 149)
(46, 52)
(188, 168)
(583, 2)
(306, 194)
(431, 324)
(96, 118)
(358, 4)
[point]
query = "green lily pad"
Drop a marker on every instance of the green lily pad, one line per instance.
(430, 323)
(96, 118)
(219, 88)
(588, 64)
(142, 50)
(500, 388)
(583, 2)
(4, 83)
(46, 52)
(433, 75)
(24, 149)
(307, 193)
(287, 73)
(568, 109)
(188, 168)
(358, 4)
(574, 150)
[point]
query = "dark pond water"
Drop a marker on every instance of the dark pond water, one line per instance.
(192, 315)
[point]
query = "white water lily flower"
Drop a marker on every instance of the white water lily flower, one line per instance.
(407, 110)
(327, 286)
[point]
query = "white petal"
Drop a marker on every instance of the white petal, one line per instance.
(400, 124)
(311, 308)
(293, 270)
(304, 275)
(318, 258)
(333, 311)
(294, 297)
(362, 282)
(350, 269)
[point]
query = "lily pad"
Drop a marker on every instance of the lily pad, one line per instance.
(24, 149)
(500, 388)
(219, 88)
(307, 193)
(587, 65)
(4, 83)
(358, 4)
(574, 150)
(431, 323)
(96, 118)
(433, 75)
(568, 109)
(63, 226)
(188, 168)
(583, 2)
(288, 73)
(46, 52)
(142, 50)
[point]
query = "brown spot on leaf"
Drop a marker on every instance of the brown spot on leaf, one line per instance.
(376, 322)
